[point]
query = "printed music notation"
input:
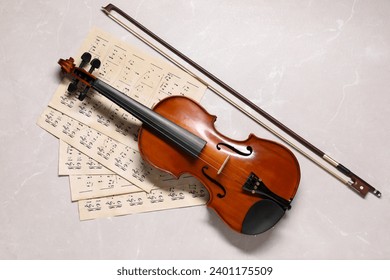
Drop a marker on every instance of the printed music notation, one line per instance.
(94, 186)
(109, 168)
(117, 157)
(142, 77)
(102, 182)
(73, 162)
(158, 199)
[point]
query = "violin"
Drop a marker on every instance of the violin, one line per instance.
(251, 182)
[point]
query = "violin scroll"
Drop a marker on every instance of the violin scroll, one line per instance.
(79, 74)
(67, 65)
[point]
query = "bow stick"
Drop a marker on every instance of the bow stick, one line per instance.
(354, 182)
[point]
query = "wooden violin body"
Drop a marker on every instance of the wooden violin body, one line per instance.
(225, 166)
(251, 183)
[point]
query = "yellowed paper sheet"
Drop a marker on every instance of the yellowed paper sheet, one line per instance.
(158, 199)
(93, 186)
(73, 162)
(117, 157)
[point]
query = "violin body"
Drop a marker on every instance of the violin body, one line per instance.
(251, 182)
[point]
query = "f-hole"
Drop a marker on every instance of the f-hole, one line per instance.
(214, 181)
(249, 149)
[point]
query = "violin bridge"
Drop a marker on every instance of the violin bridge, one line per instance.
(223, 165)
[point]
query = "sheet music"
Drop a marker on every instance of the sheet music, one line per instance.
(158, 199)
(107, 168)
(73, 162)
(119, 158)
(142, 77)
(93, 186)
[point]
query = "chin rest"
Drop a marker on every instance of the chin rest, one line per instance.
(263, 215)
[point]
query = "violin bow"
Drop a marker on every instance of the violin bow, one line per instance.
(350, 179)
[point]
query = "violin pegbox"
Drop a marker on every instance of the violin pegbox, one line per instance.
(74, 85)
(85, 59)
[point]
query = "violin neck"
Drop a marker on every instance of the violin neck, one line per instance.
(163, 127)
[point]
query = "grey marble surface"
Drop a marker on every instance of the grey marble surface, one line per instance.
(321, 67)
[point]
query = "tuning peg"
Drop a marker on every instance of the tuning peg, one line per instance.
(73, 86)
(95, 64)
(85, 59)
